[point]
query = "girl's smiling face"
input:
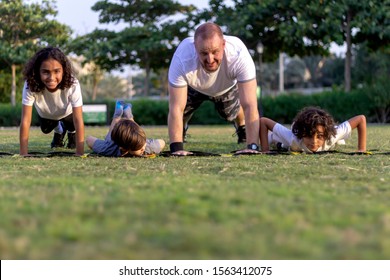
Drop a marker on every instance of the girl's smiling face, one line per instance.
(51, 73)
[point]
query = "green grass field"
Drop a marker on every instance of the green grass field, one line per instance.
(328, 206)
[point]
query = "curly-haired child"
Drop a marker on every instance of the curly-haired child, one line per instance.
(313, 130)
(51, 86)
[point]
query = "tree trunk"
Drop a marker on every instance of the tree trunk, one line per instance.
(94, 89)
(147, 77)
(13, 87)
(348, 55)
(281, 72)
(164, 82)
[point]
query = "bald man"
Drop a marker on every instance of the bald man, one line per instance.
(215, 67)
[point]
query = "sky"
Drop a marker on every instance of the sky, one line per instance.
(78, 15)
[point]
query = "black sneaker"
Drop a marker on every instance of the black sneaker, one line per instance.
(241, 134)
(58, 140)
(71, 140)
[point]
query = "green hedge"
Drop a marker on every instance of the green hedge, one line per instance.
(155, 112)
(10, 116)
(373, 102)
(340, 104)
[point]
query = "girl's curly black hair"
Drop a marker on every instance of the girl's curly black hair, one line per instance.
(31, 69)
(306, 122)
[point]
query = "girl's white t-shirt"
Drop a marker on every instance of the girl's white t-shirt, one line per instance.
(54, 105)
(237, 66)
(282, 134)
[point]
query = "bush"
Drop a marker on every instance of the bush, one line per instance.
(283, 108)
(11, 116)
(373, 102)
(378, 96)
(341, 105)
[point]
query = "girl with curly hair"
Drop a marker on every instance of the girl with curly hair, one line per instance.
(51, 86)
(313, 130)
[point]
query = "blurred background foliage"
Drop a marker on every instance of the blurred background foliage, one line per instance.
(296, 38)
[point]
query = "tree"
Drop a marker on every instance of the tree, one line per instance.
(149, 40)
(112, 87)
(332, 72)
(89, 75)
(305, 27)
(267, 21)
(314, 64)
(369, 66)
(23, 29)
(295, 73)
(350, 22)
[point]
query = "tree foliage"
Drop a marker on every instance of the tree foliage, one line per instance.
(149, 40)
(349, 22)
(272, 22)
(305, 27)
(24, 28)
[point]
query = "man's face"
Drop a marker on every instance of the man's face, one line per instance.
(210, 52)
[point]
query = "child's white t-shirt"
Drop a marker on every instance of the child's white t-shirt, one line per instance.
(54, 105)
(237, 66)
(282, 134)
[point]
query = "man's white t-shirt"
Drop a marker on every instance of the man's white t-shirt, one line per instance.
(282, 134)
(54, 105)
(237, 66)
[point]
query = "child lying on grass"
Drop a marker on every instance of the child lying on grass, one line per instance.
(313, 130)
(125, 137)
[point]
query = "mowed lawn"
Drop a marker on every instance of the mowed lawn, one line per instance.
(327, 206)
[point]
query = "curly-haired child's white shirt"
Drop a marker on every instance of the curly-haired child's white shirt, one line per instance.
(282, 134)
(54, 105)
(237, 66)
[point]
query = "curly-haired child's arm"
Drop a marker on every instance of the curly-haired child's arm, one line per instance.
(266, 124)
(359, 122)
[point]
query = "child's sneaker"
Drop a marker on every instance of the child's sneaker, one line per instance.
(71, 140)
(127, 112)
(118, 109)
(58, 138)
(154, 146)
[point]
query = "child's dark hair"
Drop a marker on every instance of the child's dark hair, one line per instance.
(128, 135)
(306, 122)
(31, 70)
